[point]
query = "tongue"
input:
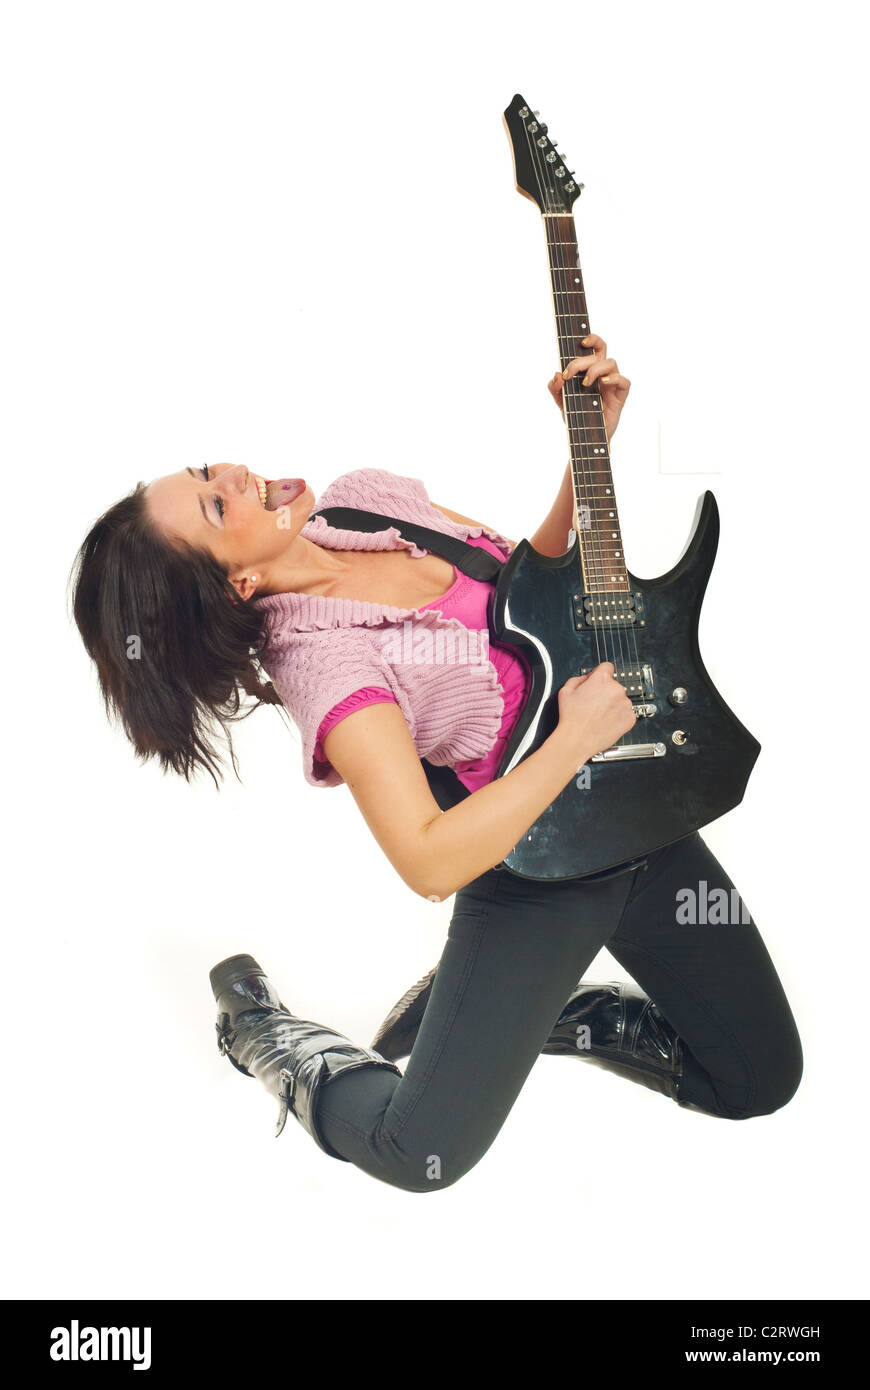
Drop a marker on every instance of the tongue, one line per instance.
(281, 491)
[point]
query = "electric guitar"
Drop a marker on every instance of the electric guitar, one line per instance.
(688, 758)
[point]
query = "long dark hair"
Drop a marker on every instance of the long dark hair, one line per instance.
(175, 647)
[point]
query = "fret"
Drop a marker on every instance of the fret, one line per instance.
(600, 538)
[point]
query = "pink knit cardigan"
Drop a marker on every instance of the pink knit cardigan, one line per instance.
(320, 650)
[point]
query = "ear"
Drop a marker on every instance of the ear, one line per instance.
(245, 585)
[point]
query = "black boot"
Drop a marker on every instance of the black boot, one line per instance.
(627, 1032)
(292, 1058)
(398, 1032)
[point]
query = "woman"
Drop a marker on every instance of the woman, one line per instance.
(187, 589)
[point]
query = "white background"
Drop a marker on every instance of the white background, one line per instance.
(288, 236)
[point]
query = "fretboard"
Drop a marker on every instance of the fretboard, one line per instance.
(600, 536)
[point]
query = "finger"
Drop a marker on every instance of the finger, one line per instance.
(598, 345)
(599, 350)
(599, 362)
(577, 364)
(555, 388)
(592, 367)
(620, 385)
(605, 367)
(581, 363)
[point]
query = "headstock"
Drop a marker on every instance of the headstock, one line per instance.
(540, 172)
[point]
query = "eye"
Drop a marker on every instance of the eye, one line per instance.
(217, 501)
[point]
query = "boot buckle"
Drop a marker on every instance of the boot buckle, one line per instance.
(286, 1093)
(224, 1041)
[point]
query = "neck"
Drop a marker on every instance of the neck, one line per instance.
(303, 568)
(599, 532)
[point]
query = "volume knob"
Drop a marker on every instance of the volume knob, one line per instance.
(678, 696)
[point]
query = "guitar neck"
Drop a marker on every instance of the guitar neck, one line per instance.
(600, 535)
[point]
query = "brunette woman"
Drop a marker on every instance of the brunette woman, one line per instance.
(228, 586)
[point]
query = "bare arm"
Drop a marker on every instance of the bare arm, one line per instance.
(551, 537)
(437, 852)
(467, 521)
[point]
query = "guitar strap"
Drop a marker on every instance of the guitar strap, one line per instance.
(468, 559)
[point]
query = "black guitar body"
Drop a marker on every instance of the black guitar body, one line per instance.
(628, 806)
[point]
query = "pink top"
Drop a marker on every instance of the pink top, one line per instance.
(467, 599)
(318, 650)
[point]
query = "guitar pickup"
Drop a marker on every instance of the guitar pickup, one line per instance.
(638, 682)
(607, 610)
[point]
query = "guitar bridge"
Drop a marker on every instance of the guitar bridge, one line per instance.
(623, 752)
(608, 610)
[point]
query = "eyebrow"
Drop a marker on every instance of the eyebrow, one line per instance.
(201, 504)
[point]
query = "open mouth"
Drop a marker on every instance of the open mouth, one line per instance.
(275, 493)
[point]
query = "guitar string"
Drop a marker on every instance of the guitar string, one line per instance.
(564, 331)
(573, 397)
(587, 430)
(587, 434)
(591, 439)
(597, 447)
(557, 270)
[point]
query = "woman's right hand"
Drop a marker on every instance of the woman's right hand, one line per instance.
(595, 710)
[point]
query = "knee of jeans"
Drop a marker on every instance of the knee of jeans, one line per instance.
(435, 1184)
(425, 1176)
(429, 1168)
(774, 1087)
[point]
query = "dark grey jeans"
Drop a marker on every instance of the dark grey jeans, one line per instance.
(515, 951)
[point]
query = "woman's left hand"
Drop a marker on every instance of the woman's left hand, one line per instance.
(603, 369)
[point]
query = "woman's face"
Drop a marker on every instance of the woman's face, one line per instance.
(222, 508)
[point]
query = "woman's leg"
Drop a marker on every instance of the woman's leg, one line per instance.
(514, 951)
(697, 953)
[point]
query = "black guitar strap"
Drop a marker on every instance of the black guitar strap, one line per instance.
(469, 559)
